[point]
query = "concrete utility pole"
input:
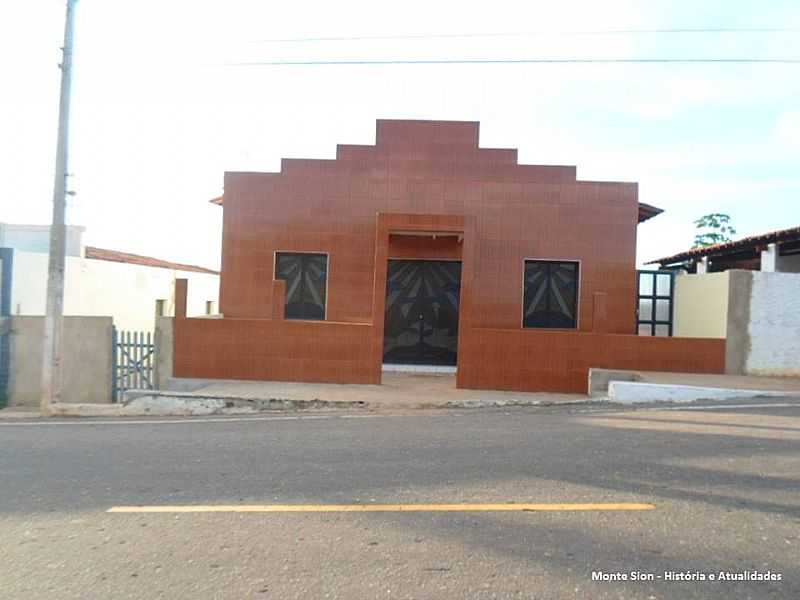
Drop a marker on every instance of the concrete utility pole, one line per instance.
(53, 321)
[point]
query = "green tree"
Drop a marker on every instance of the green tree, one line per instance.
(714, 228)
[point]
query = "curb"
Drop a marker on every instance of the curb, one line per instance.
(182, 404)
(143, 403)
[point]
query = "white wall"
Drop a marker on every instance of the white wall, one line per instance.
(29, 282)
(126, 292)
(36, 238)
(774, 325)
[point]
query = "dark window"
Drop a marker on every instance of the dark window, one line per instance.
(551, 294)
(306, 277)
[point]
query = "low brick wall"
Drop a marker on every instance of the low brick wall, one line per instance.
(499, 359)
(558, 361)
(273, 349)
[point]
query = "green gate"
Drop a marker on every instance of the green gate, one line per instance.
(6, 263)
(134, 361)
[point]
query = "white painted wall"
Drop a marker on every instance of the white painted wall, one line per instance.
(36, 238)
(29, 282)
(774, 327)
(126, 292)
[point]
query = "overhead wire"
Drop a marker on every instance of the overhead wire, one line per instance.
(511, 61)
(599, 32)
(519, 61)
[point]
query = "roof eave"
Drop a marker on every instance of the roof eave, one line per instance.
(755, 241)
(648, 211)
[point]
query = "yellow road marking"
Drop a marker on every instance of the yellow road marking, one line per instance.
(315, 508)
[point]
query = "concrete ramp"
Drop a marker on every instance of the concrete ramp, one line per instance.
(637, 387)
(632, 392)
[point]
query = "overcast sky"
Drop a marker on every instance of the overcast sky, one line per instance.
(158, 116)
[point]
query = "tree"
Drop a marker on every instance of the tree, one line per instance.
(714, 228)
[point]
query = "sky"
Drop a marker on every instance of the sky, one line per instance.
(161, 109)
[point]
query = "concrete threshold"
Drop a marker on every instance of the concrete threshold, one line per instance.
(431, 369)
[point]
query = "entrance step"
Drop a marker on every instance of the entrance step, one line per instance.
(435, 369)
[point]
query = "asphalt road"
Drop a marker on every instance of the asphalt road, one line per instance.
(725, 484)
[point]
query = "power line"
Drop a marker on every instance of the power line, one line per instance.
(598, 32)
(512, 61)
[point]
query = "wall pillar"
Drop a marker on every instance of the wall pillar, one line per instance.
(164, 344)
(769, 259)
(702, 266)
(181, 291)
(737, 346)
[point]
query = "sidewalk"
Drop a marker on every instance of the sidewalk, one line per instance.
(403, 390)
(19, 412)
(408, 391)
(398, 391)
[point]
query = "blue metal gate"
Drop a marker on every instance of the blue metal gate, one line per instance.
(134, 361)
(6, 264)
(5, 360)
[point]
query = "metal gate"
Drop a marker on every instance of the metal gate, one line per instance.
(5, 360)
(656, 299)
(6, 264)
(134, 360)
(422, 299)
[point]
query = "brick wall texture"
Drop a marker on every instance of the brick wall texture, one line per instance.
(385, 201)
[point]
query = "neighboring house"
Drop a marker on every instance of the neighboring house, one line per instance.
(426, 249)
(130, 288)
(748, 292)
(773, 252)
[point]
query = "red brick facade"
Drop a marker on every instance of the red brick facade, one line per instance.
(426, 190)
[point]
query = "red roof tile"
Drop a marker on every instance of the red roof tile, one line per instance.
(781, 235)
(145, 261)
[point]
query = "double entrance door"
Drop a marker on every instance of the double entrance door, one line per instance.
(421, 321)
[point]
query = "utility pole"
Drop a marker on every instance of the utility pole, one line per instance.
(53, 322)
